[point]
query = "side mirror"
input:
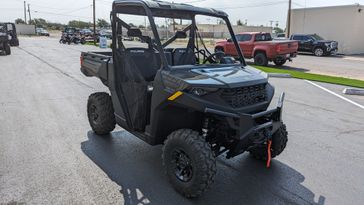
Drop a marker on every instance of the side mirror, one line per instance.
(229, 40)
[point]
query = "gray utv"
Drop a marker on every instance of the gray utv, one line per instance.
(198, 104)
(4, 40)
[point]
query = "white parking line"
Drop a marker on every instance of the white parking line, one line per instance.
(337, 95)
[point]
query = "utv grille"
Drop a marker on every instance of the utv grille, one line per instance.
(244, 96)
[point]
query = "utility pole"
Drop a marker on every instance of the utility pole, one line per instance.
(271, 23)
(25, 12)
(30, 17)
(289, 18)
(94, 16)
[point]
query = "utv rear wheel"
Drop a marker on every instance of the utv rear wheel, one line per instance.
(189, 162)
(260, 59)
(279, 142)
(7, 49)
(100, 113)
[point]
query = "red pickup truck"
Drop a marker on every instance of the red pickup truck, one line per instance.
(261, 47)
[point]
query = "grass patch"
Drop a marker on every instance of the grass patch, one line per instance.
(315, 77)
(91, 43)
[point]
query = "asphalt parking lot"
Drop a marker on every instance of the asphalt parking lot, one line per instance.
(49, 155)
(342, 66)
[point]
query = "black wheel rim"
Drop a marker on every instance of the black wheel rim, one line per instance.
(93, 114)
(259, 61)
(183, 169)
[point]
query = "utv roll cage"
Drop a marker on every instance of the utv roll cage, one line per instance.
(165, 10)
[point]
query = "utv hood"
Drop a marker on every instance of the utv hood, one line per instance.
(227, 77)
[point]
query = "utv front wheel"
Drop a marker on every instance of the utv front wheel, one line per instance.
(279, 142)
(100, 113)
(189, 162)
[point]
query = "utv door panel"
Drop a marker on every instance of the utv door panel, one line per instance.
(136, 68)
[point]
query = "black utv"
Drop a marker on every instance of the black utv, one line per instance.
(4, 40)
(198, 104)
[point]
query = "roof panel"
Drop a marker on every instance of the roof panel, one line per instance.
(164, 9)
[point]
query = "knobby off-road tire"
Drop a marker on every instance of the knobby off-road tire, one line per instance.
(100, 113)
(279, 142)
(189, 162)
(7, 49)
(260, 59)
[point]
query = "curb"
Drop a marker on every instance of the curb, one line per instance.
(353, 91)
(279, 75)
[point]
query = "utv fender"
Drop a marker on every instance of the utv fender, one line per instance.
(169, 118)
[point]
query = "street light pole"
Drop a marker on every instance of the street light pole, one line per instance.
(30, 17)
(25, 12)
(94, 17)
(289, 19)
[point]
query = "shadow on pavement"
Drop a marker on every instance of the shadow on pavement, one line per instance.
(137, 168)
(284, 67)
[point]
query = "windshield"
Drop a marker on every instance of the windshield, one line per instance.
(317, 37)
(184, 41)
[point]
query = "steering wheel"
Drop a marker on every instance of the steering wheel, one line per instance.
(215, 57)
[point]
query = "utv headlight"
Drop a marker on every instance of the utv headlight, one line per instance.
(328, 45)
(201, 91)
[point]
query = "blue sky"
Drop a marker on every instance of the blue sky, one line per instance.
(256, 12)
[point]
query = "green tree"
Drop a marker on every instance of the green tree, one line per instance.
(19, 21)
(102, 23)
(39, 22)
(239, 23)
(79, 24)
(278, 30)
(221, 22)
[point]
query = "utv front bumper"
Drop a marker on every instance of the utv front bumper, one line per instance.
(252, 129)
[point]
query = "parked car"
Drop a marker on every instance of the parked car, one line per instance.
(41, 32)
(71, 30)
(315, 44)
(106, 33)
(165, 96)
(86, 32)
(4, 39)
(281, 35)
(261, 47)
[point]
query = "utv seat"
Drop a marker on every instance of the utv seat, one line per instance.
(183, 56)
(145, 62)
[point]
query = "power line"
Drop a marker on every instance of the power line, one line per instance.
(59, 14)
(79, 9)
(254, 5)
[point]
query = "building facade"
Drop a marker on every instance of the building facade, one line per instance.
(25, 29)
(221, 31)
(344, 24)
